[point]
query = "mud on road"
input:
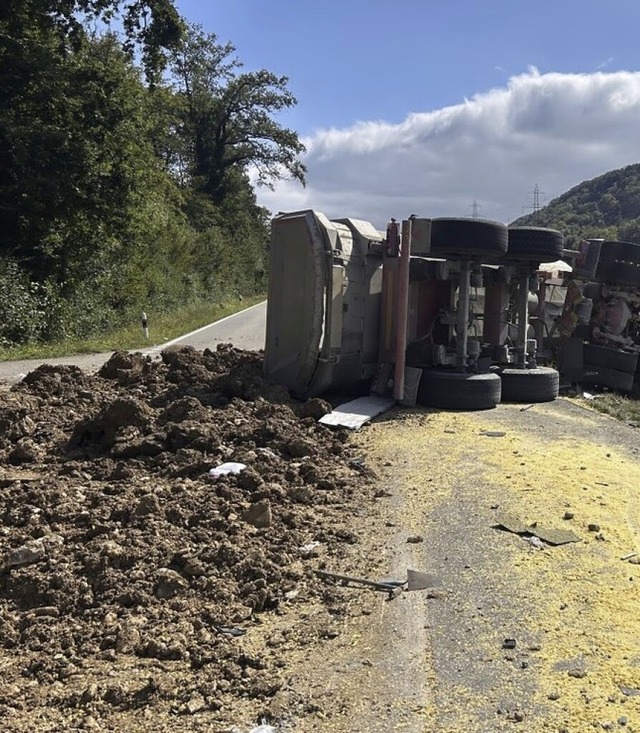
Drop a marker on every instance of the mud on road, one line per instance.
(135, 590)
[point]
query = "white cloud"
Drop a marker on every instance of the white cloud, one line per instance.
(552, 129)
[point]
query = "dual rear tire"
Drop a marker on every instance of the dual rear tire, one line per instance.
(450, 390)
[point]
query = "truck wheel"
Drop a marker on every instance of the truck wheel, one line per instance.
(529, 385)
(603, 356)
(468, 238)
(605, 377)
(459, 391)
(535, 244)
(620, 251)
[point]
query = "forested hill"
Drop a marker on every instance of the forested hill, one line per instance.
(126, 166)
(607, 206)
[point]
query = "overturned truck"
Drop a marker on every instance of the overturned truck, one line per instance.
(444, 312)
(599, 327)
(323, 306)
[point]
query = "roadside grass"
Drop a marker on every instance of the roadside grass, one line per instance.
(162, 328)
(623, 408)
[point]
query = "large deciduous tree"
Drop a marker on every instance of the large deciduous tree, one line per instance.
(77, 160)
(228, 118)
(153, 25)
(118, 196)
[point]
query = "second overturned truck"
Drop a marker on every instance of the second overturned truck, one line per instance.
(600, 321)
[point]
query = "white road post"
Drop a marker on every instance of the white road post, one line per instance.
(145, 325)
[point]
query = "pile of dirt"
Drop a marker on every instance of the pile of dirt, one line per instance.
(130, 575)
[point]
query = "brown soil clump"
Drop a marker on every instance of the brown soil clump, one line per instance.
(131, 581)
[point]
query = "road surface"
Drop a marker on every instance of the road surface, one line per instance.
(245, 329)
(516, 635)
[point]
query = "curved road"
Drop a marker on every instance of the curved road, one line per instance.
(245, 329)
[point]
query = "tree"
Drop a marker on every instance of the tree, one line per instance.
(79, 161)
(153, 25)
(228, 120)
(118, 196)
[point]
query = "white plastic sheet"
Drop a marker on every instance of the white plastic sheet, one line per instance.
(356, 413)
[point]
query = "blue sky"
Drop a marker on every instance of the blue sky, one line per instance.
(378, 64)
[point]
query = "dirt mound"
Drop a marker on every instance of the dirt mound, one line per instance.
(121, 553)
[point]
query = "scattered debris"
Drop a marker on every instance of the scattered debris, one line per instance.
(226, 468)
(230, 630)
(577, 673)
(26, 554)
(593, 527)
(355, 414)
(493, 433)
(550, 536)
(264, 728)
(384, 585)
(416, 580)
(309, 547)
(588, 396)
(415, 539)
(534, 541)
(568, 515)
(629, 691)
(524, 409)
(509, 644)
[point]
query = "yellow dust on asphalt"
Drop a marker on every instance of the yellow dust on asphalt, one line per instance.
(586, 596)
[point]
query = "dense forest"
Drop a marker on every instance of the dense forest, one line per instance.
(124, 165)
(607, 206)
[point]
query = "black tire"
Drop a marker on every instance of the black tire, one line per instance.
(468, 238)
(535, 244)
(541, 384)
(618, 273)
(604, 377)
(603, 356)
(459, 391)
(620, 251)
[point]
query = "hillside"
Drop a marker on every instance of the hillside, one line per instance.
(607, 206)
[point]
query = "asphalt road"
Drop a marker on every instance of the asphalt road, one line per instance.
(245, 329)
(516, 636)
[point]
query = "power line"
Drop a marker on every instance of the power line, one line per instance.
(535, 207)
